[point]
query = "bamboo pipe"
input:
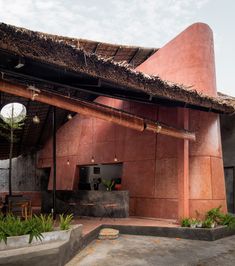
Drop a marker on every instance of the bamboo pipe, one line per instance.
(95, 110)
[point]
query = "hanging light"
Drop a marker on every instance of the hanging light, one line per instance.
(20, 63)
(69, 117)
(115, 158)
(115, 145)
(68, 162)
(36, 119)
(92, 141)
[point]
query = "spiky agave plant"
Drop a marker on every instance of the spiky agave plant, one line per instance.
(14, 226)
(46, 222)
(65, 221)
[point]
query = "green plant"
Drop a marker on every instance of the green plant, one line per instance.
(1, 216)
(65, 221)
(193, 222)
(185, 222)
(108, 183)
(228, 220)
(45, 222)
(13, 226)
(33, 228)
(215, 214)
(208, 223)
(3, 236)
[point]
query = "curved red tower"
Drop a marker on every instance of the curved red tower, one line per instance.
(188, 59)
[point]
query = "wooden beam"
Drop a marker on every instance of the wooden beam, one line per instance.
(119, 47)
(96, 47)
(183, 166)
(133, 56)
(95, 110)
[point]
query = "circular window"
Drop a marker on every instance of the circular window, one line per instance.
(14, 111)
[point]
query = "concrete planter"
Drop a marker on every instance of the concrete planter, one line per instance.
(14, 242)
(208, 234)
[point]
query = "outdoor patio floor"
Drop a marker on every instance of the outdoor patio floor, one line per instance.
(90, 223)
(130, 250)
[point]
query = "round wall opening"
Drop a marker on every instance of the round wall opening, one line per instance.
(14, 111)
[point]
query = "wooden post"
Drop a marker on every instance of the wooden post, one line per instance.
(183, 166)
(96, 110)
(54, 161)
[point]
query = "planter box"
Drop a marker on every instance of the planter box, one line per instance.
(23, 241)
(208, 234)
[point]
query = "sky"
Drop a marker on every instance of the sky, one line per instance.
(149, 23)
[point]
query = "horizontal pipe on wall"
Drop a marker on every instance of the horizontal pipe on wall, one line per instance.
(95, 110)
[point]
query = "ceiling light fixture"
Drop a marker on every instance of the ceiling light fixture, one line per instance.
(69, 117)
(92, 140)
(36, 120)
(21, 63)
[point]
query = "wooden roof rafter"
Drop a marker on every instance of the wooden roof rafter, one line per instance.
(96, 110)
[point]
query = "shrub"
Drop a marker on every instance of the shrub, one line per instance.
(34, 229)
(65, 221)
(215, 214)
(229, 220)
(208, 223)
(13, 226)
(185, 222)
(46, 222)
(223, 219)
(212, 218)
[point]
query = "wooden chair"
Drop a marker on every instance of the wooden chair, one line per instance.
(26, 210)
(20, 207)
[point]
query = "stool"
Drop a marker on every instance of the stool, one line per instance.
(109, 210)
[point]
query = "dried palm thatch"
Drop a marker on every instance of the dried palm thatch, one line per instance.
(66, 53)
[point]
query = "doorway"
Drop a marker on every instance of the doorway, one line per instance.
(93, 177)
(230, 188)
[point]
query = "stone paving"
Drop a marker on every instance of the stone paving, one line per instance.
(129, 250)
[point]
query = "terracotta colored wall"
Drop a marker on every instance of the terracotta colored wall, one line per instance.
(150, 162)
(189, 59)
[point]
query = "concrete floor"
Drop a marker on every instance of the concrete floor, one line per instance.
(132, 250)
(90, 223)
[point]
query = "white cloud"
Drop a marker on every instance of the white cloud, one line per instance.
(146, 23)
(137, 22)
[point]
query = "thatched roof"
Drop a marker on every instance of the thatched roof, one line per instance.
(131, 55)
(229, 100)
(69, 55)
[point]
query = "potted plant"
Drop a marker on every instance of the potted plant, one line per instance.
(215, 215)
(209, 223)
(199, 224)
(108, 183)
(193, 223)
(185, 222)
(118, 184)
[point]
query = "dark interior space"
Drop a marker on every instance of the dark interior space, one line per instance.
(93, 177)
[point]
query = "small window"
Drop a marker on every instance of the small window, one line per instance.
(96, 170)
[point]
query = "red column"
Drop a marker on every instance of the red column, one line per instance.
(183, 166)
